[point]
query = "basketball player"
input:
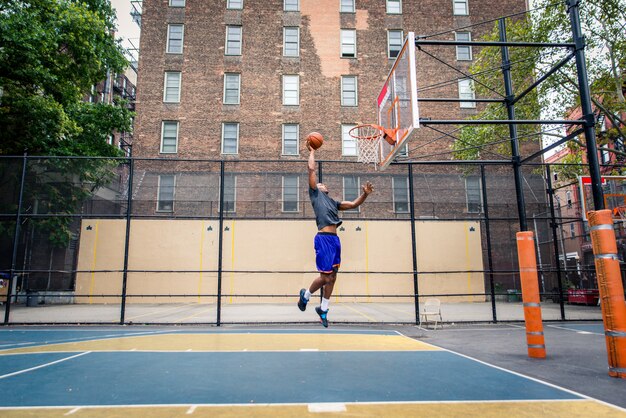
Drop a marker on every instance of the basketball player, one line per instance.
(327, 245)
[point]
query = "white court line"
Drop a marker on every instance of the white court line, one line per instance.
(91, 338)
(530, 378)
(191, 409)
(575, 330)
(326, 407)
(256, 405)
(43, 365)
(15, 344)
(72, 411)
(489, 327)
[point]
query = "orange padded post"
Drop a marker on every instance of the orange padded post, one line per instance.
(611, 289)
(530, 294)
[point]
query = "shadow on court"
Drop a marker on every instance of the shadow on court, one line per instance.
(231, 371)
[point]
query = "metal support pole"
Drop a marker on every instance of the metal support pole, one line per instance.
(510, 107)
(219, 246)
(553, 226)
(585, 104)
(129, 211)
(483, 182)
(414, 246)
(319, 172)
(16, 240)
(542, 278)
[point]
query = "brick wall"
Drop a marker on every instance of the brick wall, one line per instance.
(260, 113)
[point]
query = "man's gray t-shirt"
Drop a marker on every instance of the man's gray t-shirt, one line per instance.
(326, 209)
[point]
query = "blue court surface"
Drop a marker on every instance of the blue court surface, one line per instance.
(238, 372)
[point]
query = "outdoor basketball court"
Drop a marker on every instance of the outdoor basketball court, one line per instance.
(170, 372)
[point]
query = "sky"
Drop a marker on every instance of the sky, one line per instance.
(126, 28)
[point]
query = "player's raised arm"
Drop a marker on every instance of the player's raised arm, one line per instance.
(311, 166)
(367, 189)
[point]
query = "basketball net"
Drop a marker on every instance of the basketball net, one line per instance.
(368, 143)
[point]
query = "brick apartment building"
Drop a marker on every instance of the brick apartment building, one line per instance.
(239, 80)
(574, 234)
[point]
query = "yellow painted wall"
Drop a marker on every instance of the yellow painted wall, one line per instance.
(259, 249)
(449, 246)
(101, 248)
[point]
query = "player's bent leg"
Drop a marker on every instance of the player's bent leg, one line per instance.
(323, 316)
(303, 300)
(322, 310)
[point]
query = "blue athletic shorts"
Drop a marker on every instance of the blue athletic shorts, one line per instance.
(327, 252)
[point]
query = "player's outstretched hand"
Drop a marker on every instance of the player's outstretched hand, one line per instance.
(368, 188)
(308, 146)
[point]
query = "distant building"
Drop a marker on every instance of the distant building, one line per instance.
(112, 88)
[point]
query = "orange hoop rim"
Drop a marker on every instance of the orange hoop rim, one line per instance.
(367, 131)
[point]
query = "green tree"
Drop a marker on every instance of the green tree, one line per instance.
(603, 24)
(51, 53)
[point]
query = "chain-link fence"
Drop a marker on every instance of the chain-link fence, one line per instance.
(95, 240)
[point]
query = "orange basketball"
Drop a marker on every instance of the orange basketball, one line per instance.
(315, 139)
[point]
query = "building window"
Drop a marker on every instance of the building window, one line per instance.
(165, 193)
(568, 198)
(169, 137)
(290, 193)
(473, 193)
(230, 138)
(466, 92)
(346, 6)
(394, 7)
(291, 5)
(351, 185)
(291, 132)
(171, 90)
(175, 39)
(348, 144)
(349, 92)
(400, 186)
(230, 192)
(572, 230)
(394, 42)
(291, 42)
(177, 3)
(460, 7)
(232, 85)
(234, 4)
(605, 156)
(463, 52)
(291, 90)
(233, 40)
(348, 43)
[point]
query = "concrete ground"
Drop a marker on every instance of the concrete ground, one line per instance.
(232, 313)
(576, 354)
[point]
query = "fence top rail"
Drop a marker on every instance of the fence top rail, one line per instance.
(213, 160)
(289, 161)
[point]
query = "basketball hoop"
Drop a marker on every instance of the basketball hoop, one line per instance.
(368, 142)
